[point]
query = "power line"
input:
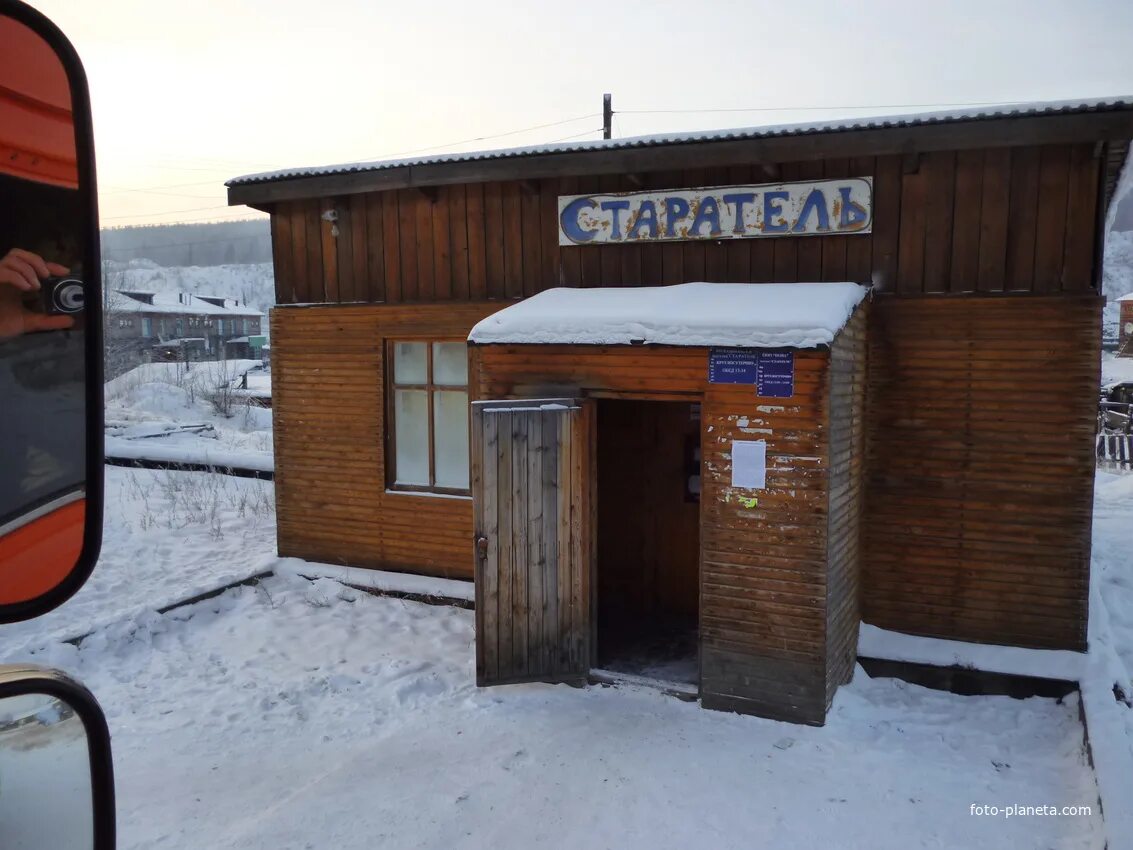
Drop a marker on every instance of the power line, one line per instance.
(154, 189)
(254, 216)
(166, 212)
(122, 189)
(575, 136)
(477, 138)
(209, 218)
(817, 108)
(169, 194)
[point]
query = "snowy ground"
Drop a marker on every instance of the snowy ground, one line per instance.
(1113, 572)
(305, 714)
(160, 411)
(167, 536)
(1115, 369)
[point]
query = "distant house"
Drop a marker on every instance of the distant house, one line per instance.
(142, 323)
(1125, 326)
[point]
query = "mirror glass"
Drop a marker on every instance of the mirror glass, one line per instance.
(45, 776)
(45, 225)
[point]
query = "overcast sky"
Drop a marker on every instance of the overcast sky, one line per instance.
(188, 94)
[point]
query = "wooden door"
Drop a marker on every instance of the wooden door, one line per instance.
(533, 465)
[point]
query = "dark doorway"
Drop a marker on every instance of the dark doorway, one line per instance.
(649, 538)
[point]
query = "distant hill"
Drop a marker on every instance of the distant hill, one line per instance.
(206, 244)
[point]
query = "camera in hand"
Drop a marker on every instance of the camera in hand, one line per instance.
(62, 295)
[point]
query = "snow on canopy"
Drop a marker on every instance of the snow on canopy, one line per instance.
(769, 315)
(1127, 297)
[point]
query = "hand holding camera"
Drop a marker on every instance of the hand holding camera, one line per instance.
(25, 275)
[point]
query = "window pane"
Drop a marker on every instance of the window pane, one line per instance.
(411, 433)
(409, 363)
(450, 364)
(450, 436)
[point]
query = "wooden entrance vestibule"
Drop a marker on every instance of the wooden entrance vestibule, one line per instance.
(778, 559)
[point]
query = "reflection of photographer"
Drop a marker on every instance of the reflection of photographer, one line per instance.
(21, 272)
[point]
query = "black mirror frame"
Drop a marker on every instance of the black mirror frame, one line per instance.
(92, 277)
(22, 679)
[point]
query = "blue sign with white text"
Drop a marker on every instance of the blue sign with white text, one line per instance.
(772, 372)
(775, 374)
(733, 366)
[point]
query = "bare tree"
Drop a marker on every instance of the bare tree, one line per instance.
(120, 353)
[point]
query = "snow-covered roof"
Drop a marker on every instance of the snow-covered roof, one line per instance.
(1128, 297)
(977, 113)
(769, 315)
(175, 303)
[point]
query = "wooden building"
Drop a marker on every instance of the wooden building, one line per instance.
(953, 506)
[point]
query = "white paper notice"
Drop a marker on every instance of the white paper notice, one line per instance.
(749, 464)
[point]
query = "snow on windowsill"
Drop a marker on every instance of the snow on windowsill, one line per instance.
(427, 494)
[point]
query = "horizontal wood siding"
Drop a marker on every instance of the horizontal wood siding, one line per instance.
(763, 594)
(329, 414)
(847, 382)
(980, 467)
(1017, 219)
(1125, 330)
(537, 371)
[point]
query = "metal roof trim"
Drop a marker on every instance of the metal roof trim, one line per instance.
(1015, 110)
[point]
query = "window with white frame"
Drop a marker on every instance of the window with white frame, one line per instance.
(427, 416)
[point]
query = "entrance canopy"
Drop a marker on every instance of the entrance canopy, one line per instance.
(743, 315)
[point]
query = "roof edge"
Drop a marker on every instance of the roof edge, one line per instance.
(1063, 122)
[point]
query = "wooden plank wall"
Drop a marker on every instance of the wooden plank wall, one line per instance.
(981, 465)
(534, 595)
(541, 371)
(1005, 219)
(763, 594)
(847, 383)
(329, 414)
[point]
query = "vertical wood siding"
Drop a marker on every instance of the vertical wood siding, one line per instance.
(980, 467)
(328, 379)
(532, 475)
(1016, 219)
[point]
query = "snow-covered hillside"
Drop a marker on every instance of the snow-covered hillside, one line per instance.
(251, 283)
(1117, 275)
